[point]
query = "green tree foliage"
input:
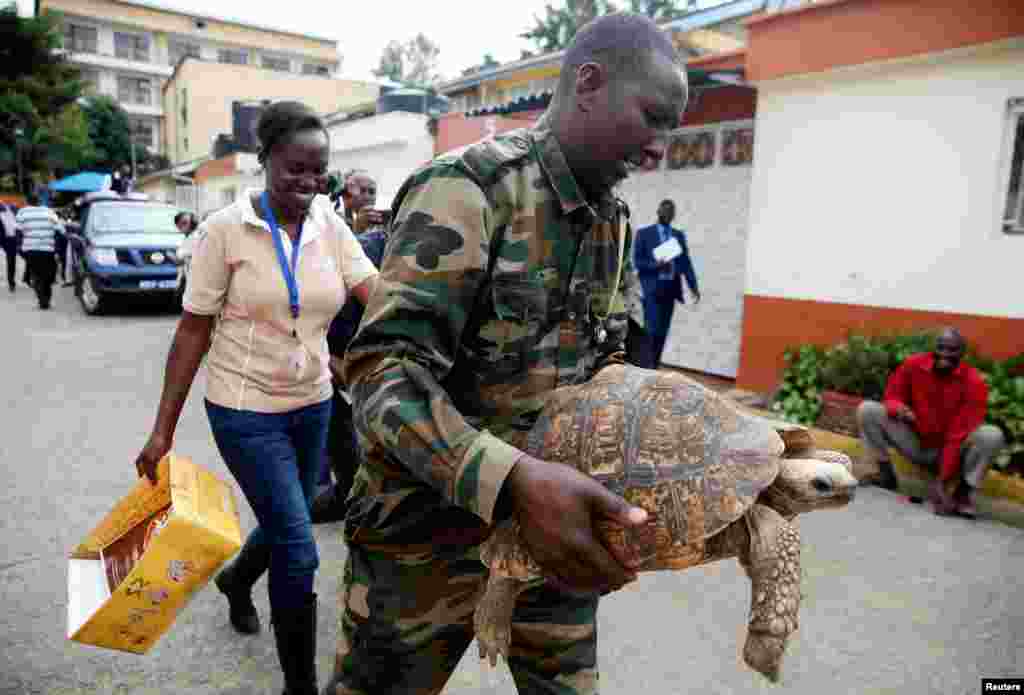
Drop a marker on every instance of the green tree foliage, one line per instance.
(37, 86)
(110, 132)
(413, 62)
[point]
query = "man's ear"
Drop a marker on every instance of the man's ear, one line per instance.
(590, 78)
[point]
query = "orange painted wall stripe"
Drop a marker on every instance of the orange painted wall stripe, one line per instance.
(819, 37)
(771, 325)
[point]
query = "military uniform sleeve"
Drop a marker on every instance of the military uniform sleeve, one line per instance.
(433, 266)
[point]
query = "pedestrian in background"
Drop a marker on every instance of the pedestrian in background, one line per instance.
(9, 241)
(661, 280)
(275, 267)
(39, 228)
(343, 451)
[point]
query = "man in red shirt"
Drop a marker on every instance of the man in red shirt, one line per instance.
(933, 413)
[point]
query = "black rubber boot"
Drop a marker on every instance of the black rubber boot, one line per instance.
(886, 476)
(295, 635)
(327, 507)
(236, 582)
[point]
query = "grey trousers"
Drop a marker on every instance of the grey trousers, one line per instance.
(879, 432)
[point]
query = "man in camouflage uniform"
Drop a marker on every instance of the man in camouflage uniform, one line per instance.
(498, 285)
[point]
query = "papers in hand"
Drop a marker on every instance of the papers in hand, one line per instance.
(667, 250)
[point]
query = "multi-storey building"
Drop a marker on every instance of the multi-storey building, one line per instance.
(128, 49)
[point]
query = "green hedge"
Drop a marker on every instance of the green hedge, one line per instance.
(861, 365)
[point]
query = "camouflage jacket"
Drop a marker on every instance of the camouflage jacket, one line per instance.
(493, 287)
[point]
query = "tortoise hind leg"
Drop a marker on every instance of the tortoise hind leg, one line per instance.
(773, 565)
(492, 619)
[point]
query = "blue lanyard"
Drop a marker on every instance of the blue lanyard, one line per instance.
(289, 273)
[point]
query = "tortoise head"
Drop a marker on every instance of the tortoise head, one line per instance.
(821, 480)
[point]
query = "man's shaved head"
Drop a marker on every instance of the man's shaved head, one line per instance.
(622, 43)
(620, 92)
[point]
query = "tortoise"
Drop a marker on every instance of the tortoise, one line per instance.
(716, 481)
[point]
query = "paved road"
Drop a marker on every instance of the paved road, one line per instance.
(897, 601)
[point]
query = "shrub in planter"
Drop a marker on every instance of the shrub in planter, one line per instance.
(798, 396)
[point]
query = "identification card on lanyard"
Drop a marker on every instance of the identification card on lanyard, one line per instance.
(297, 361)
(289, 272)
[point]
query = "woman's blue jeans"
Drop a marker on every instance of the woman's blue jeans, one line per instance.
(276, 459)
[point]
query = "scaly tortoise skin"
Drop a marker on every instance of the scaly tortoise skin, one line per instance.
(716, 482)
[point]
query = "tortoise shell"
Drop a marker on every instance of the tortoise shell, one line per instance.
(666, 443)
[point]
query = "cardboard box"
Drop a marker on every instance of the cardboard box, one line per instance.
(134, 573)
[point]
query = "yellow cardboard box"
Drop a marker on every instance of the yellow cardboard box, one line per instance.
(158, 546)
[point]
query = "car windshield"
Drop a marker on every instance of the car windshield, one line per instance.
(134, 218)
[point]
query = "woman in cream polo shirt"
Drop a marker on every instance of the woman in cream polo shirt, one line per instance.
(273, 269)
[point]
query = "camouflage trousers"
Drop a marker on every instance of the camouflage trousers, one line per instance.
(407, 619)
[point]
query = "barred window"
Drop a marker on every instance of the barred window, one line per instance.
(276, 63)
(314, 69)
(1013, 214)
(232, 56)
(142, 131)
(80, 39)
(179, 49)
(131, 47)
(134, 90)
(90, 79)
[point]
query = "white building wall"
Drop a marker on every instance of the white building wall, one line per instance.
(711, 207)
(883, 186)
(390, 146)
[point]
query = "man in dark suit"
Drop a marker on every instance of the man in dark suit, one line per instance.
(662, 279)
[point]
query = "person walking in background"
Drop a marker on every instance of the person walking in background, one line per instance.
(661, 277)
(39, 228)
(186, 223)
(342, 445)
(274, 268)
(9, 241)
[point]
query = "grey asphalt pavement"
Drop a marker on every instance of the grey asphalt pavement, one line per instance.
(896, 600)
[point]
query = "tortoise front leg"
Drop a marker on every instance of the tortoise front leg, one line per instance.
(773, 565)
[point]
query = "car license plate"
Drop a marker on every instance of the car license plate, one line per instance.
(157, 284)
(168, 284)
(147, 284)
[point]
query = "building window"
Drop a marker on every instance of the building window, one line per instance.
(232, 56)
(691, 150)
(90, 80)
(737, 146)
(134, 90)
(80, 39)
(275, 63)
(1013, 213)
(179, 49)
(314, 69)
(142, 131)
(131, 47)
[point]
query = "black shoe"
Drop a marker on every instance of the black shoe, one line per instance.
(236, 581)
(295, 636)
(886, 478)
(327, 507)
